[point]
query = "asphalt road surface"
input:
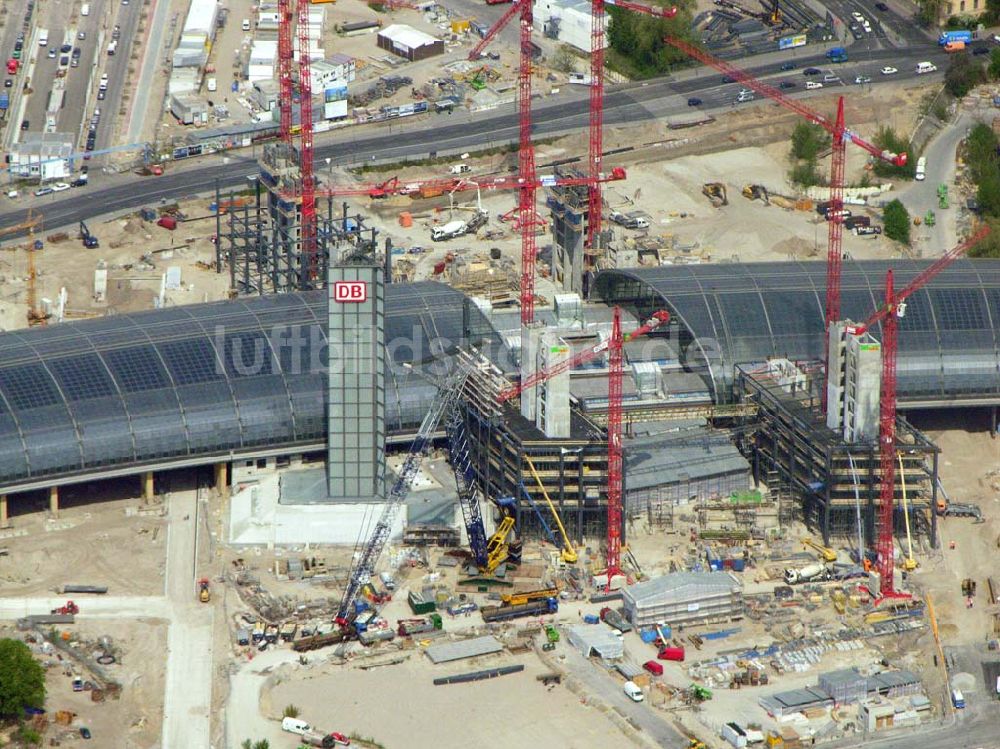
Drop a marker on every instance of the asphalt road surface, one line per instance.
(13, 26)
(630, 103)
(116, 66)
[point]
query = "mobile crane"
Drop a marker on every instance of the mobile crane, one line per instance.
(825, 552)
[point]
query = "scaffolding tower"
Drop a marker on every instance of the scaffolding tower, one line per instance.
(258, 231)
(791, 447)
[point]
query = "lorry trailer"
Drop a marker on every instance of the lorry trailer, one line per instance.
(533, 608)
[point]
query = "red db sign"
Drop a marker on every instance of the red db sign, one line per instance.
(350, 291)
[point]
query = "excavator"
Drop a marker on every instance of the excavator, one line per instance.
(716, 193)
(756, 192)
(498, 548)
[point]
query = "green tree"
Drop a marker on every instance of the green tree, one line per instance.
(564, 60)
(290, 711)
(993, 70)
(990, 245)
(897, 222)
(804, 173)
(889, 140)
(28, 736)
(22, 679)
(981, 152)
(963, 75)
(988, 194)
(928, 12)
(636, 41)
(992, 14)
(808, 139)
(247, 744)
(262, 744)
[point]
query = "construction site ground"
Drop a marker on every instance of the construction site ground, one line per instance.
(91, 543)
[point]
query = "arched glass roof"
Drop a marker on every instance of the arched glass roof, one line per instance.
(735, 313)
(200, 380)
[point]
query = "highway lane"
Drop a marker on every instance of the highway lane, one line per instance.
(624, 104)
(56, 19)
(14, 26)
(75, 111)
(116, 66)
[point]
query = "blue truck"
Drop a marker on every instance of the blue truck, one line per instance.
(955, 36)
(837, 54)
(4, 101)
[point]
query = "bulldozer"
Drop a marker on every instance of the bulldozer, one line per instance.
(716, 193)
(756, 192)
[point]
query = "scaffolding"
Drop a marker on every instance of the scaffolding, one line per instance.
(257, 232)
(808, 467)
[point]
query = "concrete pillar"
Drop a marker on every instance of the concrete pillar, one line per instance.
(4, 520)
(222, 479)
(54, 501)
(530, 342)
(147, 485)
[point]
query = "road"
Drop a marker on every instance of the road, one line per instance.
(629, 103)
(919, 197)
(53, 17)
(600, 683)
(243, 718)
(75, 111)
(116, 66)
(188, 694)
(8, 36)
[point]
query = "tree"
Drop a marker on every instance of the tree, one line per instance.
(989, 246)
(564, 60)
(804, 173)
(988, 194)
(636, 41)
(22, 679)
(994, 68)
(262, 744)
(963, 75)
(897, 222)
(290, 711)
(929, 12)
(808, 139)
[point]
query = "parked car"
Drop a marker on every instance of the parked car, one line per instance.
(863, 79)
(52, 53)
(42, 191)
(831, 78)
(81, 35)
(787, 84)
(25, 124)
(882, 7)
(8, 83)
(788, 66)
(694, 101)
(66, 48)
(101, 95)
(811, 71)
(980, 50)
(85, 733)
(889, 70)
(60, 186)
(728, 79)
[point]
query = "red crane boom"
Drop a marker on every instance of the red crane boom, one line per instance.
(658, 318)
(840, 136)
(888, 314)
(495, 29)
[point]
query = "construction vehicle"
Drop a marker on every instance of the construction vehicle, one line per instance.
(825, 552)
(204, 594)
(516, 599)
(89, 240)
(410, 627)
(930, 219)
(568, 553)
(700, 693)
(959, 510)
(67, 608)
(909, 564)
(551, 634)
(153, 170)
(968, 587)
(756, 192)
(942, 192)
(533, 608)
(811, 572)
(384, 189)
(716, 193)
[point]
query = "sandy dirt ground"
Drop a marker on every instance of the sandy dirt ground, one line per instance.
(133, 720)
(514, 710)
(90, 544)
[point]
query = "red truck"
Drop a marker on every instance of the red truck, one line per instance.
(12, 66)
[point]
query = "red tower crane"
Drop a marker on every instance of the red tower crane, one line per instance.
(614, 347)
(285, 25)
(307, 230)
(893, 308)
(615, 374)
(527, 218)
(840, 135)
(596, 147)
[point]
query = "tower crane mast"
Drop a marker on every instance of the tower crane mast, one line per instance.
(307, 231)
(892, 309)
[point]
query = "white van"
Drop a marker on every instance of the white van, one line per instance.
(246, 24)
(745, 95)
(85, 9)
(43, 37)
(921, 169)
(212, 84)
(925, 67)
(633, 691)
(294, 725)
(461, 169)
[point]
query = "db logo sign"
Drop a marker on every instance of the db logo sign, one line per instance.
(350, 291)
